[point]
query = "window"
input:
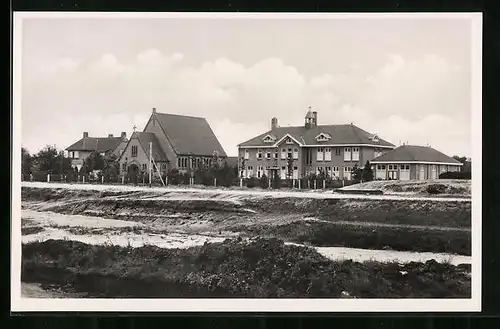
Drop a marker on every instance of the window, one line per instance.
(295, 153)
(328, 154)
(134, 151)
(383, 167)
(355, 154)
(347, 154)
(283, 173)
(379, 167)
(328, 171)
(260, 170)
(283, 154)
(390, 167)
(276, 154)
(269, 139)
(289, 141)
(322, 137)
(247, 155)
(144, 167)
(295, 173)
(347, 173)
(163, 167)
(319, 154)
(124, 166)
(377, 153)
(289, 155)
(337, 151)
(268, 154)
(259, 154)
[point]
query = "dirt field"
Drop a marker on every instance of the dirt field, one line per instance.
(374, 231)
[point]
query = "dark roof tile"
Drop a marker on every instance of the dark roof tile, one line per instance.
(415, 153)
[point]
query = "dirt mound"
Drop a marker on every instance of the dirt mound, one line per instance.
(235, 268)
(446, 186)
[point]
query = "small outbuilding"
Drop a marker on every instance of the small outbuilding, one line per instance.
(411, 162)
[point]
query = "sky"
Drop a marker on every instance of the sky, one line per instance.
(408, 80)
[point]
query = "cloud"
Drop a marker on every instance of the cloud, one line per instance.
(405, 99)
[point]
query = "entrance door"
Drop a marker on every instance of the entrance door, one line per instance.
(421, 172)
(404, 172)
(133, 173)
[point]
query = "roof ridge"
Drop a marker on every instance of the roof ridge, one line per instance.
(181, 115)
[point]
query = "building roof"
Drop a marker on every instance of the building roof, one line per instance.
(100, 144)
(190, 135)
(144, 139)
(340, 134)
(413, 153)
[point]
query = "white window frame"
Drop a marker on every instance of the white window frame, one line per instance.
(268, 155)
(295, 153)
(295, 174)
(320, 154)
(338, 151)
(347, 154)
(247, 154)
(355, 154)
(283, 173)
(328, 154)
(283, 154)
(259, 155)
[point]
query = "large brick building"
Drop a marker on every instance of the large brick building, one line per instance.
(313, 148)
(177, 142)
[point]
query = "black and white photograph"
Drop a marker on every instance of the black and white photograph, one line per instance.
(246, 162)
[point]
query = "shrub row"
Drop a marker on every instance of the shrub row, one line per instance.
(260, 268)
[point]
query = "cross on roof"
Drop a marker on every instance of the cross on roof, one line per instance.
(134, 127)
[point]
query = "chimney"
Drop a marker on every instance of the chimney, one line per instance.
(274, 123)
(85, 134)
(154, 109)
(315, 118)
(124, 135)
(110, 135)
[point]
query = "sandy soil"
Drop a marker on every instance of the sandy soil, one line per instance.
(56, 227)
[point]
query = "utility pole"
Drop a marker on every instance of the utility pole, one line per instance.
(150, 157)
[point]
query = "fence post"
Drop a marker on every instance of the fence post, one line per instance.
(300, 180)
(48, 178)
(215, 182)
(324, 183)
(269, 184)
(166, 180)
(315, 181)
(83, 178)
(123, 179)
(308, 183)
(343, 184)
(102, 179)
(241, 182)
(31, 177)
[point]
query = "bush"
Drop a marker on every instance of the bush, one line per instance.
(455, 175)
(264, 181)
(436, 189)
(251, 182)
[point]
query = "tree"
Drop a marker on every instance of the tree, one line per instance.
(111, 168)
(367, 173)
(52, 161)
(356, 173)
(289, 167)
(26, 162)
(467, 167)
(95, 161)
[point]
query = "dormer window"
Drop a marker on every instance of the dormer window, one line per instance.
(289, 140)
(374, 138)
(269, 139)
(323, 137)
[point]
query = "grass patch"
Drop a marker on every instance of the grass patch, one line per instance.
(31, 230)
(259, 268)
(420, 239)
